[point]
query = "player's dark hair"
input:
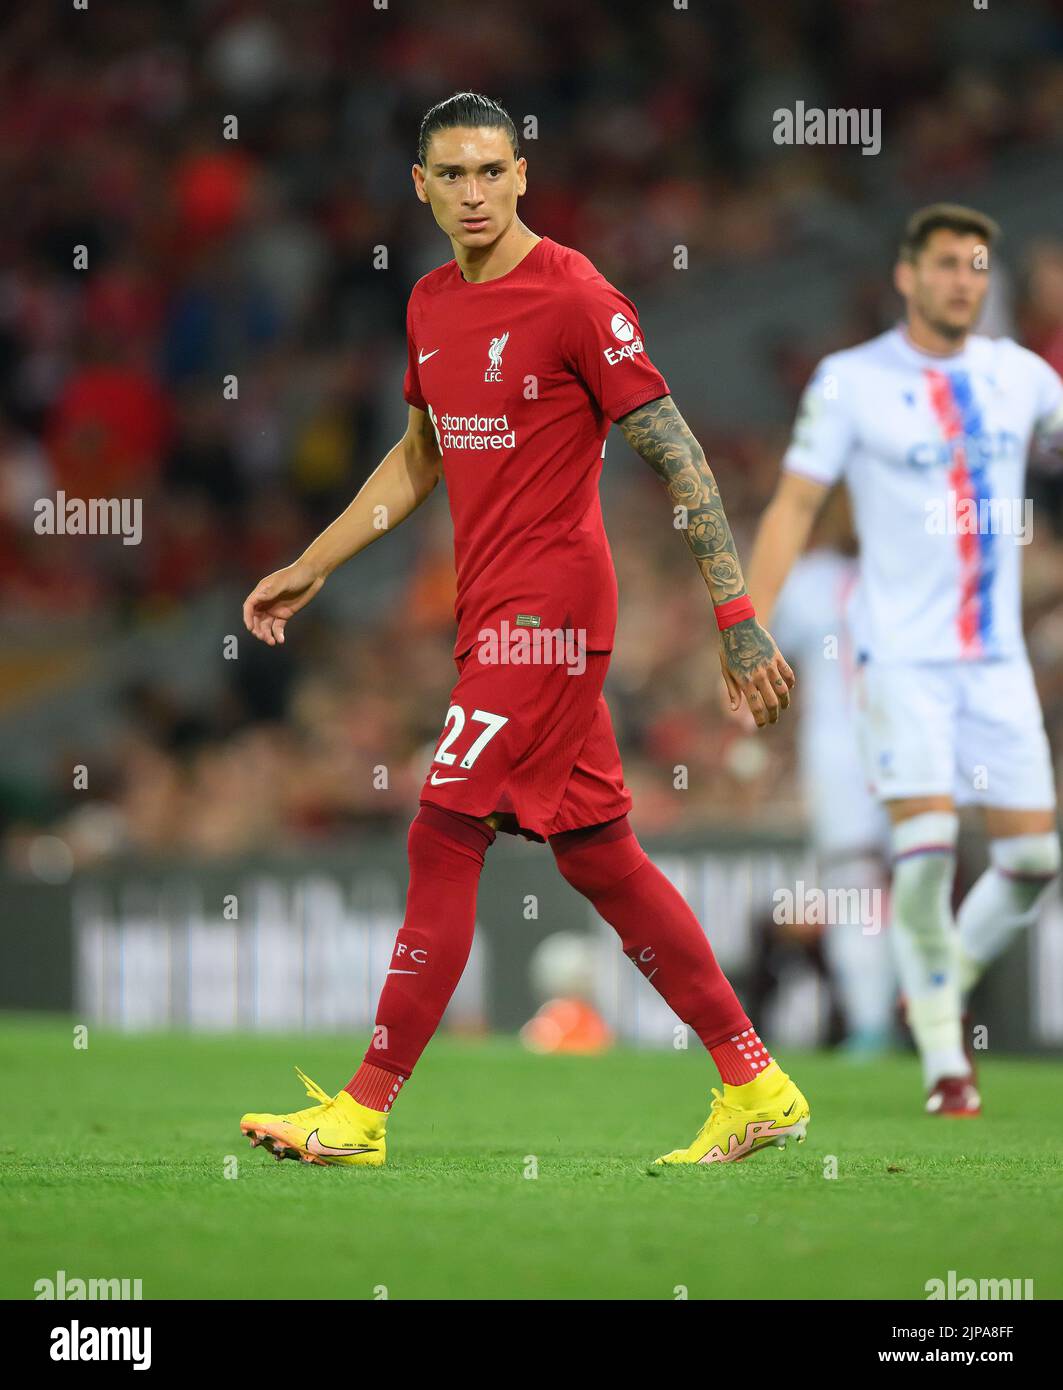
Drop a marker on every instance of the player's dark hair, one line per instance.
(949, 217)
(464, 109)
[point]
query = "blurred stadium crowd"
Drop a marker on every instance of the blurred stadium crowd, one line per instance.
(255, 257)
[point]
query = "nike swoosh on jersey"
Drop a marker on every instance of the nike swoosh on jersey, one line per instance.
(424, 356)
(435, 779)
(315, 1146)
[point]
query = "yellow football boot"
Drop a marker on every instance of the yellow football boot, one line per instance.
(336, 1130)
(746, 1118)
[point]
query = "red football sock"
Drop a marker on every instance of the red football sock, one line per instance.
(374, 1087)
(659, 933)
(446, 853)
(741, 1058)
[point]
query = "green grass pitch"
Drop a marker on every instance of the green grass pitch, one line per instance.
(114, 1161)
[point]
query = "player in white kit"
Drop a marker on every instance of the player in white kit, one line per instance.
(930, 426)
(848, 828)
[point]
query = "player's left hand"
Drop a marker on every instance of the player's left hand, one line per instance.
(755, 670)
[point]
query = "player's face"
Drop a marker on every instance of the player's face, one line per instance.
(472, 183)
(947, 282)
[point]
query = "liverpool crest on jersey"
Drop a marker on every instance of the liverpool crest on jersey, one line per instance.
(494, 358)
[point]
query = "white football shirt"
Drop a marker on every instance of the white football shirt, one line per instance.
(933, 451)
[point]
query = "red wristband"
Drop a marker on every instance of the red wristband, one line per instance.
(735, 610)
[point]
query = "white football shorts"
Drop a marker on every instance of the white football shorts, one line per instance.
(971, 730)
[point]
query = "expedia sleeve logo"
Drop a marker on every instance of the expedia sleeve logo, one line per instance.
(625, 332)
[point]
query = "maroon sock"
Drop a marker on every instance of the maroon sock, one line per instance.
(446, 853)
(659, 932)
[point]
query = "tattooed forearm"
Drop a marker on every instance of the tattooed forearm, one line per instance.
(659, 433)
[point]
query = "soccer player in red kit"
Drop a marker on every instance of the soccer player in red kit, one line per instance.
(521, 356)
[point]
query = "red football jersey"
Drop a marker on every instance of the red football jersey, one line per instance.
(522, 377)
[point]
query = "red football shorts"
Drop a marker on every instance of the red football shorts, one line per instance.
(531, 742)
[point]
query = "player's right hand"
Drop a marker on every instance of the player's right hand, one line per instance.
(276, 598)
